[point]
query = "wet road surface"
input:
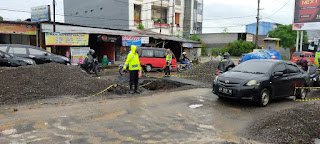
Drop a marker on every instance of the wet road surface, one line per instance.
(188, 116)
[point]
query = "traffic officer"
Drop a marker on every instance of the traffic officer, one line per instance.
(133, 64)
(168, 63)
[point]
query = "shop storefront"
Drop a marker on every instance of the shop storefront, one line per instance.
(18, 33)
(73, 46)
(105, 42)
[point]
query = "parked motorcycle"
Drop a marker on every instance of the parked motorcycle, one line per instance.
(97, 69)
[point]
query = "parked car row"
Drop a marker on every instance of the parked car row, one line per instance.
(21, 55)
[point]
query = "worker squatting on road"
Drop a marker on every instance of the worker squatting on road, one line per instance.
(168, 63)
(133, 64)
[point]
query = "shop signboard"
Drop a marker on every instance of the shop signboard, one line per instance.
(187, 45)
(40, 13)
(6, 28)
(306, 15)
(249, 38)
(63, 39)
(130, 40)
(144, 40)
(106, 38)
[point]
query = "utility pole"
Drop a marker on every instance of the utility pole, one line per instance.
(257, 30)
(161, 17)
(173, 15)
(54, 16)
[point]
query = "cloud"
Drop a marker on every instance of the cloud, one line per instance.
(246, 11)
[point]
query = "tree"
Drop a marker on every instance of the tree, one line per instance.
(19, 20)
(287, 36)
(1, 18)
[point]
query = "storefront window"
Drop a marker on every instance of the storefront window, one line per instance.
(137, 13)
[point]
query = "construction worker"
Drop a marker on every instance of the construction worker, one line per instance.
(168, 63)
(133, 64)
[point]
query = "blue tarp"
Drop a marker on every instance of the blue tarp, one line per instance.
(261, 54)
(272, 53)
(253, 55)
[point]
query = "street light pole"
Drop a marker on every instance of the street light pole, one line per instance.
(257, 30)
(54, 16)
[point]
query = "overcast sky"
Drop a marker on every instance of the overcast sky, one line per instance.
(218, 14)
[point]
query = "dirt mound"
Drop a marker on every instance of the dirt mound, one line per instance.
(47, 80)
(204, 71)
(299, 125)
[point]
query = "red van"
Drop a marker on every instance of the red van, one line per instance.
(154, 58)
(309, 56)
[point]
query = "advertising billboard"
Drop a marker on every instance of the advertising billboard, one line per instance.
(62, 39)
(40, 13)
(306, 15)
(17, 29)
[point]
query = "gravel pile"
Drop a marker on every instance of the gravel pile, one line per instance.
(204, 71)
(299, 125)
(47, 80)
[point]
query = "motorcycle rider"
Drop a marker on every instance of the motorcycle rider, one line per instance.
(303, 62)
(90, 60)
(184, 60)
(133, 64)
(225, 63)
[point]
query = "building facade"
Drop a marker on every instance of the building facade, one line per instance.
(159, 16)
(193, 18)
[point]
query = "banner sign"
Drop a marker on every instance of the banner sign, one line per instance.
(187, 45)
(129, 40)
(67, 39)
(306, 15)
(249, 38)
(144, 40)
(17, 29)
(40, 13)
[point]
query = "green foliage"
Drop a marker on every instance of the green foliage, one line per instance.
(140, 26)
(216, 51)
(236, 48)
(203, 49)
(287, 36)
(195, 38)
(19, 20)
(1, 18)
(239, 47)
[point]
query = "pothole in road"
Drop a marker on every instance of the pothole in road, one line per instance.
(162, 85)
(149, 85)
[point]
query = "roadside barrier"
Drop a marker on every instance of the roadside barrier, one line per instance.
(305, 100)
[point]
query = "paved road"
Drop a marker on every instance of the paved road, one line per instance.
(189, 116)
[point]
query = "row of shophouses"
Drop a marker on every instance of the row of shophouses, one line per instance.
(74, 41)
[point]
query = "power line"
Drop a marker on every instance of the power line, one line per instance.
(279, 9)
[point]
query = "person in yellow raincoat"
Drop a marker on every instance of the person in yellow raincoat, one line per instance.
(134, 67)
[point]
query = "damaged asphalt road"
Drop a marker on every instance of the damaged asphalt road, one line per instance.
(186, 116)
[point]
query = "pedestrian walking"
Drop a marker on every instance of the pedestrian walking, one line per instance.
(133, 64)
(168, 63)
